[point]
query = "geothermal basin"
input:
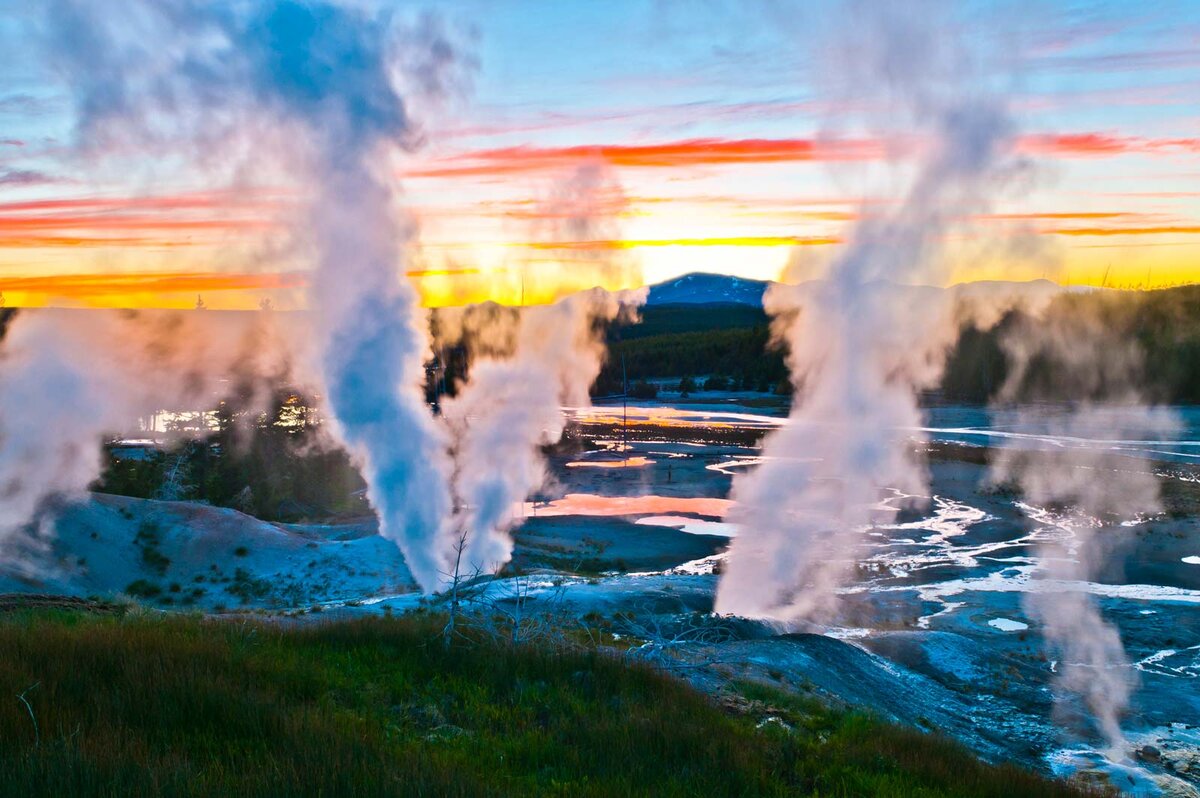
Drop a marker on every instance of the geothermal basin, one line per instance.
(931, 631)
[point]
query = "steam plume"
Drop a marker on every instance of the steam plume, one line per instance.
(512, 407)
(316, 84)
(1081, 487)
(69, 378)
(56, 406)
(532, 363)
(859, 348)
(370, 327)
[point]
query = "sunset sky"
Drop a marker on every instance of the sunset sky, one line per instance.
(711, 116)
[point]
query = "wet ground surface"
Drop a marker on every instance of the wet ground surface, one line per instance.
(933, 630)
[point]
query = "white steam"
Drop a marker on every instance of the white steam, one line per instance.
(56, 404)
(1083, 487)
(529, 365)
(68, 378)
(512, 407)
(860, 348)
(312, 90)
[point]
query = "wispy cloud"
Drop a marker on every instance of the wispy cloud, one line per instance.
(42, 241)
(1105, 144)
(669, 154)
(26, 177)
(91, 286)
(1050, 216)
(145, 221)
(23, 105)
(1126, 61)
(725, 152)
(124, 222)
(1128, 231)
(261, 199)
(728, 241)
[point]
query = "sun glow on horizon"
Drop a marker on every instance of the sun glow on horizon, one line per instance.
(164, 251)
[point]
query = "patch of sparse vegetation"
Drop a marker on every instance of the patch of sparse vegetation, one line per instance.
(246, 586)
(147, 539)
(142, 706)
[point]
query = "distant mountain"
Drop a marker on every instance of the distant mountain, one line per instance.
(702, 288)
(699, 288)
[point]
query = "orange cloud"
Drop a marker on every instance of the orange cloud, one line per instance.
(671, 154)
(118, 221)
(724, 152)
(124, 222)
(731, 241)
(1127, 231)
(1097, 144)
(199, 200)
(90, 286)
(37, 241)
(1042, 216)
(95, 286)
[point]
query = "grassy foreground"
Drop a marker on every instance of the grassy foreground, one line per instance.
(141, 705)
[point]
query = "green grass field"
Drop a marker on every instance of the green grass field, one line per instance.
(170, 705)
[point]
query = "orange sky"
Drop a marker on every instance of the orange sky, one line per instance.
(166, 249)
(724, 153)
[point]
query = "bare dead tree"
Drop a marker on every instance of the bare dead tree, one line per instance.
(37, 735)
(456, 580)
(517, 612)
(685, 641)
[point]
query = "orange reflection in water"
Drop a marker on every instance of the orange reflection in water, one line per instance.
(629, 462)
(668, 416)
(592, 504)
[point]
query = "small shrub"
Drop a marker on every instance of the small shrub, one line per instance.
(643, 390)
(148, 533)
(155, 560)
(247, 587)
(141, 588)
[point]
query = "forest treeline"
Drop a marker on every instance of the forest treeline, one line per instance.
(1155, 335)
(1162, 327)
(270, 459)
(742, 356)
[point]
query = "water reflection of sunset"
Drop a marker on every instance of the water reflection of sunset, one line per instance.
(595, 505)
(666, 416)
(628, 462)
